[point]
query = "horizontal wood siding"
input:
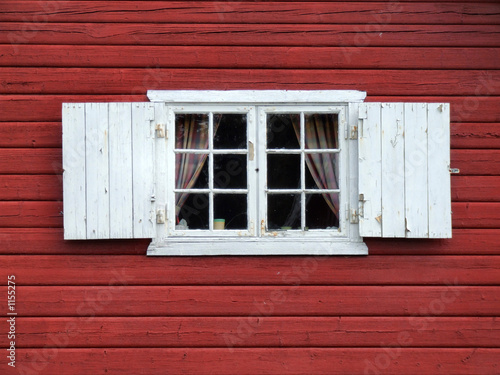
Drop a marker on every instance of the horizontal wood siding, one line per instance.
(411, 306)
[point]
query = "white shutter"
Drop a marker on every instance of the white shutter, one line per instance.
(108, 163)
(404, 160)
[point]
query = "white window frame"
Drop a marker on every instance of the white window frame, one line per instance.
(258, 241)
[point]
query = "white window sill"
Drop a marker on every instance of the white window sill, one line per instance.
(255, 246)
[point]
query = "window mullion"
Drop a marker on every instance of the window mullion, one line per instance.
(210, 171)
(302, 173)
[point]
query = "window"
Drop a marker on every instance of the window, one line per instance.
(256, 172)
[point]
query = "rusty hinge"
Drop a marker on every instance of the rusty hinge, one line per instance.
(353, 133)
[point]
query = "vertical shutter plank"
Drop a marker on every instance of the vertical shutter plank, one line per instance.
(74, 192)
(120, 178)
(143, 157)
(370, 170)
(415, 119)
(393, 189)
(97, 170)
(438, 172)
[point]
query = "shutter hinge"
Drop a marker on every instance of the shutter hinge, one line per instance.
(352, 215)
(357, 131)
(160, 130)
(354, 219)
(361, 205)
(454, 170)
(160, 216)
(353, 132)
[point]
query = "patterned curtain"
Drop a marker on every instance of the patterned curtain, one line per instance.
(321, 133)
(192, 134)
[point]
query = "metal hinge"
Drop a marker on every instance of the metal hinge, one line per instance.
(160, 216)
(353, 133)
(361, 205)
(160, 130)
(354, 217)
(357, 131)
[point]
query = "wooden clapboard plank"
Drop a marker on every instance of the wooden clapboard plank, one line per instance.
(120, 172)
(31, 187)
(476, 162)
(143, 166)
(97, 169)
(34, 134)
(476, 215)
(475, 135)
(50, 241)
(31, 161)
(48, 107)
(31, 214)
(120, 300)
(438, 176)
(74, 161)
(186, 332)
(393, 174)
(370, 170)
(60, 270)
(398, 359)
(134, 80)
(249, 57)
(195, 34)
(250, 12)
(475, 188)
(464, 242)
(415, 166)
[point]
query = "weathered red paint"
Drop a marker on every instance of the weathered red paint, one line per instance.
(411, 306)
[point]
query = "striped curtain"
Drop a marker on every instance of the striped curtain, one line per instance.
(320, 133)
(192, 134)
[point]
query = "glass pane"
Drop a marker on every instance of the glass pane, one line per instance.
(321, 130)
(230, 171)
(232, 209)
(193, 208)
(230, 131)
(322, 171)
(320, 211)
(283, 171)
(191, 171)
(191, 131)
(283, 211)
(283, 131)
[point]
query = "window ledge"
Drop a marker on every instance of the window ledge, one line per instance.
(255, 246)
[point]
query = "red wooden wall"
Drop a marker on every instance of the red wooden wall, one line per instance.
(95, 307)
